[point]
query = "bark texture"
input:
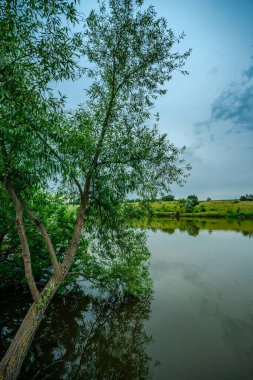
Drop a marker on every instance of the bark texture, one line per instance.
(23, 241)
(13, 359)
(11, 364)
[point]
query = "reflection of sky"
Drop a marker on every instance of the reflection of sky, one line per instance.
(211, 110)
(201, 320)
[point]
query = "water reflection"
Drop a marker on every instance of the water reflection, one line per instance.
(85, 337)
(202, 313)
(13, 308)
(193, 226)
(201, 317)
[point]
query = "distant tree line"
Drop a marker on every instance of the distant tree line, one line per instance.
(247, 197)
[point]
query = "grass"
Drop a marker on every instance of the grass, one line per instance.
(214, 208)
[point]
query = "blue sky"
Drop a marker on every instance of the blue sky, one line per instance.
(211, 110)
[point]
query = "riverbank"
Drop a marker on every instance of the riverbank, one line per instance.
(232, 209)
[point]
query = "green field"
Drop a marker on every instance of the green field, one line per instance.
(214, 208)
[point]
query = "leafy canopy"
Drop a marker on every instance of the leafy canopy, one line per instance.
(110, 145)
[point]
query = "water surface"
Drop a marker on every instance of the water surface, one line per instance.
(197, 325)
(202, 313)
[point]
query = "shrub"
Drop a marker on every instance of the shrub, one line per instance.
(168, 198)
(189, 206)
(194, 200)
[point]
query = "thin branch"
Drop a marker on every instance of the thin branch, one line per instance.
(82, 275)
(60, 159)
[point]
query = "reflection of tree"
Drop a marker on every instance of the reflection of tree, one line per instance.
(86, 337)
(249, 234)
(194, 225)
(169, 231)
(10, 317)
(190, 226)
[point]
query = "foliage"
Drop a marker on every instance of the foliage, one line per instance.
(59, 220)
(193, 199)
(188, 206)
(213, 208)
(118, 261)
(190, 203)
(37, 47)
(168, 198)
(109, 147)
(11, 266)
(99, 153)
(247, 197)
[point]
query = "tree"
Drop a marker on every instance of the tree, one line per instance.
(100, 153)
(194, 199)
(247, 197)
(191, 201)
(168, 198)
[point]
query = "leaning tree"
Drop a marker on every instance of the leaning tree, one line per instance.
(105, 149)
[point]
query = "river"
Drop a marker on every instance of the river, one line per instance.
(197, 325)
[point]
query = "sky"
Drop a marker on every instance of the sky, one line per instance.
(210, 111)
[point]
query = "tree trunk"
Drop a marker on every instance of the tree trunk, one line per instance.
(45, 236)
(24, 245)
(13, 359)
(11, 364)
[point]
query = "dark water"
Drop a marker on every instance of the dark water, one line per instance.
(197, 326)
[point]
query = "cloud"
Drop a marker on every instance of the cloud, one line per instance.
(214, 70)
(249, 72)
(234, 105)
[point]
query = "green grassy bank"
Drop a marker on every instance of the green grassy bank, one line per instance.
(234, 209)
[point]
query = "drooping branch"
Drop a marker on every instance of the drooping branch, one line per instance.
(55, 153)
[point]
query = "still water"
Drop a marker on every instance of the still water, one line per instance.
(198, 325)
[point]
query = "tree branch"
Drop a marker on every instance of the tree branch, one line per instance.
(24, 242)
(61, 160)
(82, 275)
(20, 228)
(45, 235)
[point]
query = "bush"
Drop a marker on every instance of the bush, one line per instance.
(168, 198)
(189, 205)
(193, 199)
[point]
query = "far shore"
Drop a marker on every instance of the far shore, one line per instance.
(234, 209)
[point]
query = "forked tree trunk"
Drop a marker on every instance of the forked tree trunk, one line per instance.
(13, 359)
